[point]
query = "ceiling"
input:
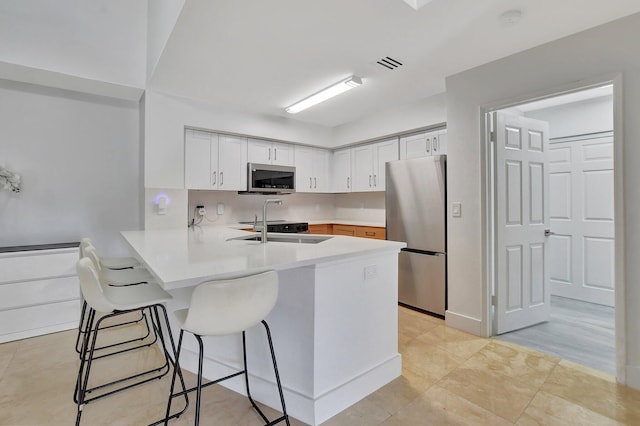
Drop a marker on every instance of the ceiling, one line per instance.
(261, 56)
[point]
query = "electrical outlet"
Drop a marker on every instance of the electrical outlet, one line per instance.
(370, 272)
(201, 210)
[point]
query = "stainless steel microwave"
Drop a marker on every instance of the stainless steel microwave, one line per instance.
(269, 178)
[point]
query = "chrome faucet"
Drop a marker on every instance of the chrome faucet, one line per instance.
(263, 238)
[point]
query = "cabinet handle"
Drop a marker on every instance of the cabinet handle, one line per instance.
(275, 154)
(370, 233)
(375, 180)
(310, 183)
(436, 144)
(315, 183)
(269, 157)
(369, 181)
(348, 182)
(221, 178)
(213, 178)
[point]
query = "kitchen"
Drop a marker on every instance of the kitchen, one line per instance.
(117, 156)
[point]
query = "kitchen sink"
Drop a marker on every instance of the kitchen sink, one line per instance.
(292, 238)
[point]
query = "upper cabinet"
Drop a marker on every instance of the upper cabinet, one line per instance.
(341, 170)
(267, 152)
(215, 161)
(423, 144)
(368, 165)
(312, 169)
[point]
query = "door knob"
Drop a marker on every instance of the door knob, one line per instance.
(548, 233)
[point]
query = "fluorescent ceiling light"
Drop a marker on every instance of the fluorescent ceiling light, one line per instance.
(329, 92)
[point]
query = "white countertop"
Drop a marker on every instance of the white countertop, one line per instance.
(185, 257)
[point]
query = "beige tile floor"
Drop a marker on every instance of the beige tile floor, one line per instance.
(449, 378)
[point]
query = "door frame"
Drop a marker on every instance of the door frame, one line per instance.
(487, 189)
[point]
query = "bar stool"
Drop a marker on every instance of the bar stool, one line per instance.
(112, 302)
(110, 262)
(120, 277)
(223, 307)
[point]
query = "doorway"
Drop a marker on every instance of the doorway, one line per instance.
(554, 246)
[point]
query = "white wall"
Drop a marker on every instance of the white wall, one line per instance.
(242, 207)
(78, 156)
(577, 118)
(589, 55)
(165, 119)
(428, 112)
(101, 40)
(161, 18)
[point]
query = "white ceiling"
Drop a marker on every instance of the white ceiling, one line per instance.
(261, 56)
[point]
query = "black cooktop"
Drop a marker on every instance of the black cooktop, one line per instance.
(283, 226)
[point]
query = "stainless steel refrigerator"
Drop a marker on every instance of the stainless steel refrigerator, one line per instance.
(416, 202)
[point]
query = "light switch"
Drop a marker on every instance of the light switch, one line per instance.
(220, 208)
(456, 209)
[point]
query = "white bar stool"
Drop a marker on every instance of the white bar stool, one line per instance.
(223, 307)
(110, 262)
(120, 277)
(111, 302)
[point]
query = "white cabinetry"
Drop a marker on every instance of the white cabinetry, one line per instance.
(39, 292)
(423, 144)
(215, 161)
(267, 152)
(341, 171)
(368, 164)
(312, 169)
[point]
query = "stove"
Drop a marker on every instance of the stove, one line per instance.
(282, 226)
(288, 227)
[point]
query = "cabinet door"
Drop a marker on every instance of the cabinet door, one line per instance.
(362, 160)
(282, 154)
(259, 151)
(347, 230)
(384, 151)
(232, 163)
(197, 160)
(416, 146)
(440, 143)
(321, 170)
(304, 156)
(341, 172)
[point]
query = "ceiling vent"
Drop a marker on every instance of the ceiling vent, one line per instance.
(389, 63)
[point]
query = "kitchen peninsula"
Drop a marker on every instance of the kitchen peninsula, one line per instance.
(334, 325)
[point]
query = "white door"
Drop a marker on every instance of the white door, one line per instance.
(259, 151)
(232, 163)
(522, 296)
(304, 169)
(321, 170)
(362, 168)
(197, 160)
(416, 146)
(384, 151)
(341, 171)
(582, 218)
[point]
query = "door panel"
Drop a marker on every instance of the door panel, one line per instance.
(522, 215)
(421, 281)
(583, 220)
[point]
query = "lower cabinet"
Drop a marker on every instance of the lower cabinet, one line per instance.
(349, 230)
(39, 292)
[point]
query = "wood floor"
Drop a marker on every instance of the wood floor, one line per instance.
(578, 331)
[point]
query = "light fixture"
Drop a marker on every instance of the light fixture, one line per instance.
(323, 95)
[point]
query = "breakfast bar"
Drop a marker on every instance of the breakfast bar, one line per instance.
(334, 326)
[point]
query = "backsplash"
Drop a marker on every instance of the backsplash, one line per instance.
(295, 207)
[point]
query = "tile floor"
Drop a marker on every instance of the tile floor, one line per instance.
(449, 378)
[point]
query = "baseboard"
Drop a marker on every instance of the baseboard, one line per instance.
(633, 376)
(19, 335)
(463, 322)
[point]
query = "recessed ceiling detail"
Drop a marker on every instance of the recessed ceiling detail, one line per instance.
(389, 63)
